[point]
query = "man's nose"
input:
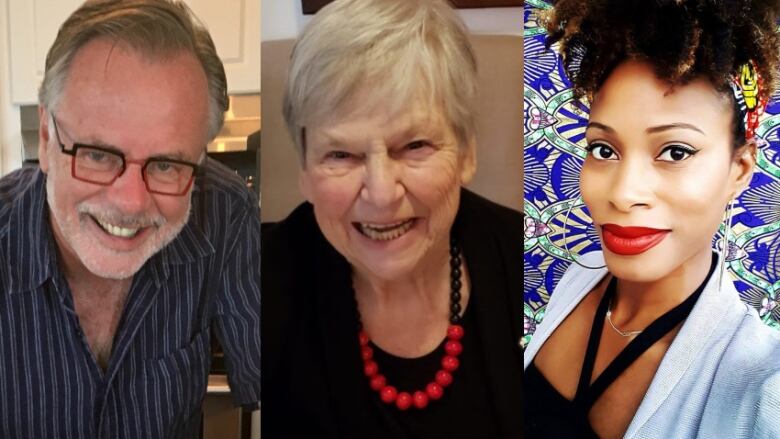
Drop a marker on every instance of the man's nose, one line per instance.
(128, 192)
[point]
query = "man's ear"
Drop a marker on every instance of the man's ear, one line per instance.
(43, 139)
(742, 166)
(468, 166)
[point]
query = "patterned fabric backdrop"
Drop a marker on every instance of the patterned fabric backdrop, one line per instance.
(553, 152)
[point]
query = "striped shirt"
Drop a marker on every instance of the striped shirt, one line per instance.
(208, 278)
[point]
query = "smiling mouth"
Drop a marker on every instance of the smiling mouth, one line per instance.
(119, 232)
(385, 232)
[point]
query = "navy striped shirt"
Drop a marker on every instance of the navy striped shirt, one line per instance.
(207, 278)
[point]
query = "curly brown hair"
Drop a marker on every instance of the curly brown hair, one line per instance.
(681, 39)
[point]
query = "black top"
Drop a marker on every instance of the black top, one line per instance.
(544, 416)
(313, 381)
(465, 398)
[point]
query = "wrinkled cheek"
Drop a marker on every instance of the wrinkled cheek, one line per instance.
(332, 200)
(447, 199)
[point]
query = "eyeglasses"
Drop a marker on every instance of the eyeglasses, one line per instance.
(103, 166)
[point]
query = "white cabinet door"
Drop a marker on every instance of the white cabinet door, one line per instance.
(234, 26)
(33, 25)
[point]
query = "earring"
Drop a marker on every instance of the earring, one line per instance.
(566, 247)
(724, 251)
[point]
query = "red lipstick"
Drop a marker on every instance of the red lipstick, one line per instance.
(628, 241)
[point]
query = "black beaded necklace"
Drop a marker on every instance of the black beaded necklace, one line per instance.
(449, 363)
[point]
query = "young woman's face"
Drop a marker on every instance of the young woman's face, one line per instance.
(659, 172)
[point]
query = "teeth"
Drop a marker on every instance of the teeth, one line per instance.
(386, 232)
(118, 231)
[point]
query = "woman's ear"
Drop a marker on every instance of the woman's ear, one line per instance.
(742, 167)
(468, 162)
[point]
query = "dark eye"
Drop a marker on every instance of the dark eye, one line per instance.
(417, 144)
(96, 156)
(676, 153)
(338, 155)
(162, 166)
(601, 151)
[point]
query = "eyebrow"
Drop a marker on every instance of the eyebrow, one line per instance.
(172, 156)
(416, 129)
(651, 130)
(671, 126)
(178, 155)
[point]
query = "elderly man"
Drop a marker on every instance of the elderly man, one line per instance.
(123, 252)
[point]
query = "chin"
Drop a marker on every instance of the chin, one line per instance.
(113, 266)
(388, 269)
(634, 269)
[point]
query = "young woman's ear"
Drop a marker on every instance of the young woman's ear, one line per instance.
(742, 167)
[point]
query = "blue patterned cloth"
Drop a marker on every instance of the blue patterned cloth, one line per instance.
(553, 153)
(207, 278)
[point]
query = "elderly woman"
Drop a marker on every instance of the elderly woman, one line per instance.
(392, 299)
(657, 344)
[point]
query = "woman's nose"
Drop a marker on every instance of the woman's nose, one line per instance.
(381, 183)
(631, 186)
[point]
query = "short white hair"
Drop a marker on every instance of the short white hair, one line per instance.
(397, 50)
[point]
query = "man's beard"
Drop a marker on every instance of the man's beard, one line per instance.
(99, 260)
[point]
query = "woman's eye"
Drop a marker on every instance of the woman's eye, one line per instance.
(337, 155)
(676, 153)
(416, 144)
(600, 151)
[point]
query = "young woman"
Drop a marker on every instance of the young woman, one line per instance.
(654, 341)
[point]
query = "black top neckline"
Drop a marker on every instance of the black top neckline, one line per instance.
(588, 393)
(312, 363)
(543, 418)
(436, 352)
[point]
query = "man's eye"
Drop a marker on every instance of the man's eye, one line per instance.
(96, 156)
(162, 166)
(601, 151)
(676, 153)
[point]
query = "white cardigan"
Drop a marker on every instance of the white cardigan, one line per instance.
(720, 377)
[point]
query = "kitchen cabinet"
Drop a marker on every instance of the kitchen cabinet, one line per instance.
(234, 25)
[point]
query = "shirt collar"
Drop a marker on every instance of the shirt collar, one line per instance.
(29, 244)
(190, 244)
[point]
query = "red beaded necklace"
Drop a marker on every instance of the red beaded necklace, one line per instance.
(449, 363)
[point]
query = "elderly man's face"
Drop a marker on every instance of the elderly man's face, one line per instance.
(113, 97)
(385, 187)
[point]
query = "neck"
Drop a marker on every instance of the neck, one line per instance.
(408, 316)
(644, 301)
(429, 288)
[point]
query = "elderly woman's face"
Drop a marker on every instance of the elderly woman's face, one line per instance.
(386, 187)
(660, 172)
